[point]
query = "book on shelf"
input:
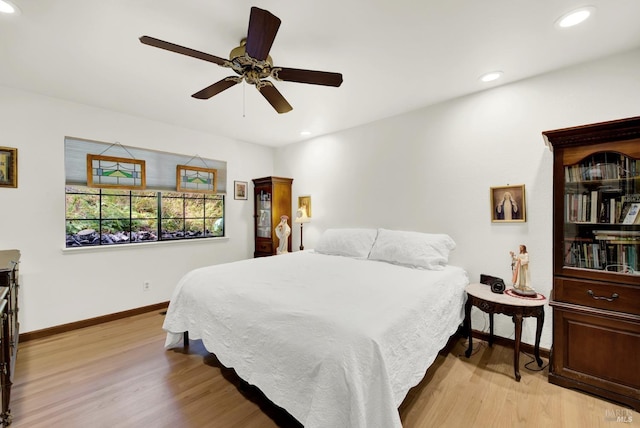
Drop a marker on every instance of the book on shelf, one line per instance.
(623, 258)
(599, 168)
(593, 217)
(631, 197)
(630, 213)
(614, 209)
(585, 254)
(599, 207)
(583, 207)
(623, 236)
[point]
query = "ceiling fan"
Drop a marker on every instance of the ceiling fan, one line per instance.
(252, 63)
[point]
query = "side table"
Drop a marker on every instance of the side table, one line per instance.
(481, 296)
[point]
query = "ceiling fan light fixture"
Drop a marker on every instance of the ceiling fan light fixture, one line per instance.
(491, 76)
(575, 17)
(9, 8)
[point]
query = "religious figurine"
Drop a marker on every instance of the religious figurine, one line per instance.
(521, 277)
(282, 232)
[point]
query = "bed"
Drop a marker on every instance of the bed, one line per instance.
(337, 335)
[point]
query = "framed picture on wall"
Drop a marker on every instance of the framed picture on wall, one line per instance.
(239, 190)
(304, 202)
(508, 204)
(8, 167)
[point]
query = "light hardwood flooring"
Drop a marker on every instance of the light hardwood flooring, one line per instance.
(118, 374)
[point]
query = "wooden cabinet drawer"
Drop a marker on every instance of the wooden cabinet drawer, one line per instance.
(613, 297)
(264, 247)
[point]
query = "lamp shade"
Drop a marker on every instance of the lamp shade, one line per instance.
(301, 216)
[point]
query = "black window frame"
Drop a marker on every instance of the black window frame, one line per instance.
(103, 232)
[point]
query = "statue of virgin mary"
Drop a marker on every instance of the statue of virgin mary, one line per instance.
(282, 232)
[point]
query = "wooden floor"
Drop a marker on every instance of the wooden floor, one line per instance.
(118, 374)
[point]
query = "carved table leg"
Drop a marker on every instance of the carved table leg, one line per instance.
(517, 319)
(490, 328)
(467, 325)
(539, 324)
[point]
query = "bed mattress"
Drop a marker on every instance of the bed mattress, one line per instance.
(336, 341)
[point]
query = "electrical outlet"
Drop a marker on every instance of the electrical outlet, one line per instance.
(146, 286)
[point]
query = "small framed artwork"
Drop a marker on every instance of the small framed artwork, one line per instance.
(239, 190)
(8, 167)
(193, 179)
(508, 204)
(114, 172)
(304, 202)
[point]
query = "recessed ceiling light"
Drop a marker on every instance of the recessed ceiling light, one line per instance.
(575, 17)
(490, 77)
(8, 7)
(305, 133)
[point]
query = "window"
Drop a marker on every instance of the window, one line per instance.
(106, 216)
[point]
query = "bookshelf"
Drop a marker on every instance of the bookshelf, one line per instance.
(601, 221)
(596, 267)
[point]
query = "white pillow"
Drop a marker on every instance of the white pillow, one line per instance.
(347, 242)
(412, 249)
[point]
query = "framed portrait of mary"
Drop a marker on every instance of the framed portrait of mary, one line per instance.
(508, 204)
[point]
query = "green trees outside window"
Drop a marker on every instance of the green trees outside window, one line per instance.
(113, 216)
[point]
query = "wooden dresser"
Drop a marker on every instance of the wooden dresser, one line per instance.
(10, 328)
(596, 251)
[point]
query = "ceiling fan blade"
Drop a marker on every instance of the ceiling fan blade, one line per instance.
(151, 41)
(307, 76)
(216, 88)
(274, 97)
(263, 27)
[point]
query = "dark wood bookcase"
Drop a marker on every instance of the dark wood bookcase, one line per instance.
(272, 199)
(596, 267)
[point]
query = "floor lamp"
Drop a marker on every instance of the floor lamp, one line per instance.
(301, 217)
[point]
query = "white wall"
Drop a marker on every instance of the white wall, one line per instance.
(66, 286)
(431, 170)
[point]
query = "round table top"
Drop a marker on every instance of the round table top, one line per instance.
(484, 292)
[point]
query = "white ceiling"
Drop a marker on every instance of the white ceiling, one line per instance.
(395, 55)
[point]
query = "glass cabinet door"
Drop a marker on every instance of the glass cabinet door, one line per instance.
(263, 204)
(602, 213)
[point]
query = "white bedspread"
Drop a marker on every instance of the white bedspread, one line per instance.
(337, 342)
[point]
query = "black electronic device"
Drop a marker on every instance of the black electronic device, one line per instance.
(497, 284)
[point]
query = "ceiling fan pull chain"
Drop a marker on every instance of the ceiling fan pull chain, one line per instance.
(244, 101)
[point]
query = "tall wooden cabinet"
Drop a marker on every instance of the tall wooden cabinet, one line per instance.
(596, 251)
(272, 198)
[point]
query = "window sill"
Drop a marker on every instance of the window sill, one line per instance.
(136, 246)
